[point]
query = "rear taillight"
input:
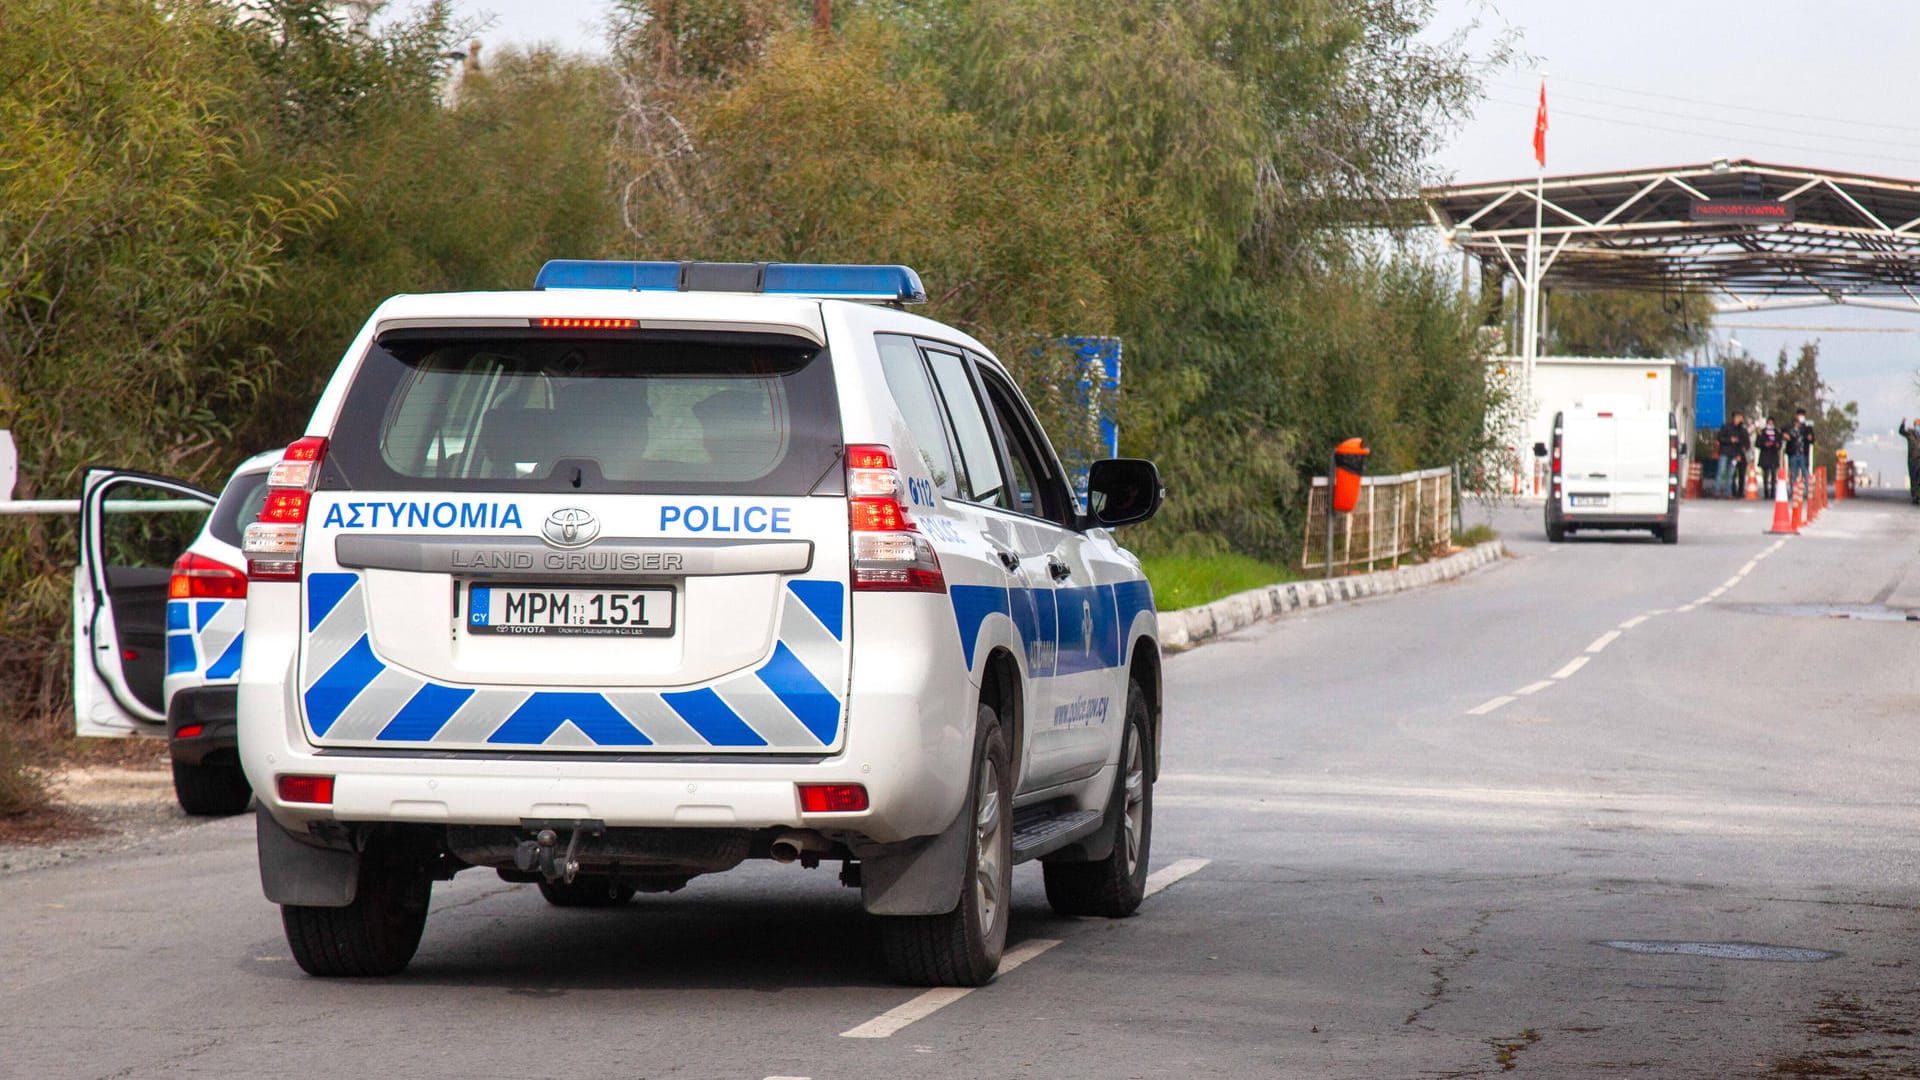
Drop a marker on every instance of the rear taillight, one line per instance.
(272, 543)
(1556, 463)
(196, 577)
(1673, 464)
(890, 553)
(832, 798)
(305, 789)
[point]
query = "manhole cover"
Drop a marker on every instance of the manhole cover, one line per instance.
(1724, 950)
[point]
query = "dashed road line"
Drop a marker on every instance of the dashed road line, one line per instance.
(1533, 687)
(1486, 707)
(940, 997)
(1635, 621)
(1734, 580)
(1603, 641)
(1684, 608)
(1573, 665)
(1748, 569)
(1171, 873)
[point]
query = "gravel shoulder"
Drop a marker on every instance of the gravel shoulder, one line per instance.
(96, 808)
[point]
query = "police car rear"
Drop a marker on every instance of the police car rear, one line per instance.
(622, 581)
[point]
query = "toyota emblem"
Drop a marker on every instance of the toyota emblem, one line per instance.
(570, 527)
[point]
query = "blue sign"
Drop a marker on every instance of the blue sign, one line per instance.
(1099, 363)
(1709, 397)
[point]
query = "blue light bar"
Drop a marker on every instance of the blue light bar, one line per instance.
(823, 281)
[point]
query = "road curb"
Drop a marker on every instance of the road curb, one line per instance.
(1196, 625)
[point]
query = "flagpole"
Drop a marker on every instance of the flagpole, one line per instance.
(1535, 307)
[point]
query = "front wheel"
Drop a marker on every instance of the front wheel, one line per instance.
(1114, 886)
(375, 935)
(963, 946)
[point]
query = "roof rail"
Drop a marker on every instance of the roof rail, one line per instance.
(823, 281)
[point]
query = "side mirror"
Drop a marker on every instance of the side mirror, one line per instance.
(1121, 491)
(1539, 449)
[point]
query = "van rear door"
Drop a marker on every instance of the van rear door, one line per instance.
(1640, 464)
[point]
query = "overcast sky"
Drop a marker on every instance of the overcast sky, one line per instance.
(1635, 83)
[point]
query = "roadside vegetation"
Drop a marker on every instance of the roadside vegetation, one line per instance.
(200, 201)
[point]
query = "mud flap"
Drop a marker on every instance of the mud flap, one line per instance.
(924, 876)
(293, 871)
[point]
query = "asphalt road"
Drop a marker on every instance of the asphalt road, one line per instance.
(1422, 818)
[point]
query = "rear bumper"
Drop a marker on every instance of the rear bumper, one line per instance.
(211, 710)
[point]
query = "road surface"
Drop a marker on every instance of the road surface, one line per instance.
(1609, 807)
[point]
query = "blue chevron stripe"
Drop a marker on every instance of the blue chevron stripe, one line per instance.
(229, 663)
(535, 721)
(332, 692)
(797, 688)
(827, 601)
(712, 719)
(323, 595)
(204, 611)
(425, 713)
(180, 653)
(177, 618)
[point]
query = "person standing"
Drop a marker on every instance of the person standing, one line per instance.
(1912, 435)
(1799, 449)
(1767, 443)
(1733, 448)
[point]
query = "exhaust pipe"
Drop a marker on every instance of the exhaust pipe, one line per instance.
(795, 844)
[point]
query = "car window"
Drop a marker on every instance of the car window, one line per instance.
(1040, 491)
(906, 378)
(979, 463)
(239, 507)
(613, 412)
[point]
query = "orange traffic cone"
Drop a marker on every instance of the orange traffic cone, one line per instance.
(1799, 501)
(1753, 484)
(1782, 517)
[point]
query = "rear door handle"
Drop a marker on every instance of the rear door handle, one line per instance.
(1059, 570)
(1007, 558)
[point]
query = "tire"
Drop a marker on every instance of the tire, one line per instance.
(1669, 533)
(211, 790)
(375, 935)
(963, 946)
(1556, 532)
(1114, 886)
(586, 891)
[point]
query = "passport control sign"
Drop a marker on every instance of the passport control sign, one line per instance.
(656, 568)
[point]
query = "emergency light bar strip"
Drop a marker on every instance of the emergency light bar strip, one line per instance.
(825, 281)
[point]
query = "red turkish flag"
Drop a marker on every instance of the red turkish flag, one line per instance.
(1540, 128)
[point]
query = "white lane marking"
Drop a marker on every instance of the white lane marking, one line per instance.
(1748, 569)
(1603, 641)
(1700, 601)
(1171, 873)
(1660, 611)
(1715, 594)
(1686, 607)
(1635, 621)
(1486, 707)
(940, 997)
(1534, 687)
(1732, 581)
(1573, 665)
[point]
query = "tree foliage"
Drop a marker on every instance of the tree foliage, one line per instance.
(1613, 323)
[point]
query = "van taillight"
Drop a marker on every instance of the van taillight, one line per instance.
(1556, 463)
(890, 554)
(196, 577)
(272, 544)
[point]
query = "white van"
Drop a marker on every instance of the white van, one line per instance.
(1615, 465)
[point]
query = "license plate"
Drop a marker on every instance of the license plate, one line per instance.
(513, 609)
(1589, 500)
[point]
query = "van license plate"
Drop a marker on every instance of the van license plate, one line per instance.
(1589, 500)
(508, 609)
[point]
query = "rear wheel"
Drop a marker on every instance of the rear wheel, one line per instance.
(963, 946)
(1114, 886)
(1668, 533)
(1556, 532)
(587, 891)
(375, 935)
(211, 790)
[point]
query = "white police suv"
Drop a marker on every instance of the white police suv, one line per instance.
(157, 629)
(660, 567)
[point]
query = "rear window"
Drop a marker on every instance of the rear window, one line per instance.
(239, 506)
(720, 414)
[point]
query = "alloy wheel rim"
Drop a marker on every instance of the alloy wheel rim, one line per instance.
(987, 826)
(1134, 820)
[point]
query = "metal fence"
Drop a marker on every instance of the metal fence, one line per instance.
(1396, 515)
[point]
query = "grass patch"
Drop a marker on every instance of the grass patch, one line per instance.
(1479, 534)
(1182, 581)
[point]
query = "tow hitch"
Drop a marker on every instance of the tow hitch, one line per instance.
(542, 854)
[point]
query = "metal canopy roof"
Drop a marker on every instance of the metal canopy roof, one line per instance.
(1756, 235)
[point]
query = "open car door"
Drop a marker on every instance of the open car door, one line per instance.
(132, 528)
